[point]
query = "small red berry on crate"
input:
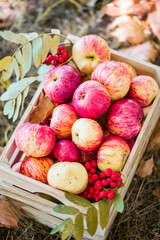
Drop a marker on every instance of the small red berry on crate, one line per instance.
(104, 183)
(113, 184)
(87, 165)
(61, 60)
(108, 172)
(103, 194)
(110, 196)
(95, 177)
(94, 163)
(91, 190)
(56, 57)
(102, 175)
(92, 170)
(89, 196)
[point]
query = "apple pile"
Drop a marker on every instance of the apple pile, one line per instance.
(82, 147)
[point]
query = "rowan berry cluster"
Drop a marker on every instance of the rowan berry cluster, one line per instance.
(101, 185)
(60, 57)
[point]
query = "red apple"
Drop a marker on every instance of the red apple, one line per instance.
(36, 168)
(88, 155)
(146, 110)
(87, 134)
(61, 82)
(35, 139)
(131, 143)
(62, 120)
(112, 153)
(130, 70)
(66, 151)
(89, 51)
(91, 100)
(16, 167)
(114, 76)
(143, 89)
(124, 118)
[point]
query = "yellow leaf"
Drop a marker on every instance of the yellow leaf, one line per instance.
(5, 62)
(19, 59)
(18, 104)
(55, 44)
(46, 44)
(16, 69)
(7, 73)
(37, 51)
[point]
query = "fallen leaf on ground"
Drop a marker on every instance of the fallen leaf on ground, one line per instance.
(145, 168)
(156, 192)
(153, 19)
(42, 110)
(130, 7)
(145, 51)
(154, 142)
(126, 28)
(7, 216)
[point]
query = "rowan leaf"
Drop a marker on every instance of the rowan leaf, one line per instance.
(46, 46)
(19, 59)
(60, 208)
(92, 220)
(7, 73)
(13, 37)
(4, 62)
(37, 51)
(55, 43)
(8, 95)
(118, 202)
(24, 95)
(44, 69)
(55, 31)
(67, 231)
(10, 115)
(16, 69)
(57, 229)
(29, 36)
(18, 104)
(79, 226)
(8, 107)
(27, 57)
(77, 200)
(104, 209)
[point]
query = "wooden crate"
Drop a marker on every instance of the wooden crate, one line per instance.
(24, 189)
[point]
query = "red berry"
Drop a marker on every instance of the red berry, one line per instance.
(67, 57)
(97, 198)
(112, 191)
(59, 48)
(98, 182)
(113, 184)
(91, 190)
(62, 47)
(108, 172)
(87, 165)
(94, 163)
(92, 170)
(114, 176)
(95, 177)
(110, 196)
(58, 52)
(109, 180)
(108, 192)
(90, 180)
(49, 54)
(64, 51)
(94, 196)
(103, 194)
(119, 184)
(61, 60)
(118, 174)
(119, 179)
(97, 192)
(56, 57)
(54, 63)
(85, 193)
(102, 175)
(89, 175)
(64, 55)
(99, 186)
(104, 183)
(89, 196)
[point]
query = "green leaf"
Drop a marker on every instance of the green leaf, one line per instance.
(55, 44)
(92, 220)
(57, 229)
(118, 202)
(7, 73)
(8, 107)
(19, 59)
(60, 208)
(4, 62)
(78, 226)
(24, 95)
(13, 37)
(29, 36)
(18, 104)
(70, 236)
(44, 69)
(27, 57)
(104, 209)
(37, 51)
(9, 95)
(67, 231)
(78, 200)
(16, 69)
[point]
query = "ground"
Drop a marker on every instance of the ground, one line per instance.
(140, 219)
